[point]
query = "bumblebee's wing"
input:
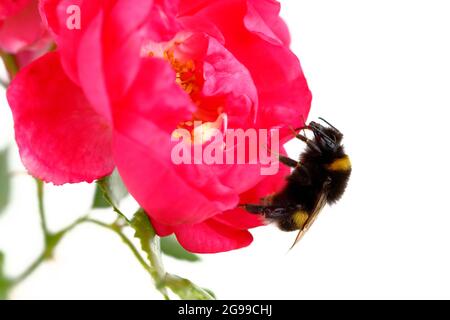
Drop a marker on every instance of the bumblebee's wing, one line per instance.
(321, 202)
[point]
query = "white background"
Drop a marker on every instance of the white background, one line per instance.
(380, 71)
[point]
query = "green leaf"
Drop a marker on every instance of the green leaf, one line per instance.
(5, 283)
(115, 188)
(5, 181)
(183, 288)
(99, 199)
(144, 232)
(172, 248)
(150, 245)
(187, 290)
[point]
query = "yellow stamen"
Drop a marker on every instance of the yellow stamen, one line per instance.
(185, 72)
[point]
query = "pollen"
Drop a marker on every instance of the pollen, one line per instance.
(185, 73)
(300, 219)
(207, 120)
(199, 132)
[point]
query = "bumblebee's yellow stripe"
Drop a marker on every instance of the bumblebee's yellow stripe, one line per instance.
(342, 164)
(300, 219)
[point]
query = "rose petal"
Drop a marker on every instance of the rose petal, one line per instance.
(212, 237)
(171, 194)
(284, 96)
(21, 30)
(240, 218)
(11, 7)
(61, 139)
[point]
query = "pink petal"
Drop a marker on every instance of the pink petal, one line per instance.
(21, 30)
(12, 7)
(198, 24)
(121, 44)
(162, 24)
(162, 230)
(263, 18)
(61, 139)
(227, 78)
(103, 57)
(190, 7)
(90, 68)
(165, 193)
(26, 56)
(171, 194)
(284, 96)
(241, 219)
(55, 16)
(212, 237)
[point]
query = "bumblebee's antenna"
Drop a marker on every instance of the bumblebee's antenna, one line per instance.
(329, 124)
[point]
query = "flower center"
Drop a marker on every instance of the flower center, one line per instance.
(190, 78)
(185, 71)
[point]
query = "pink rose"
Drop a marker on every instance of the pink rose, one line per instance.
(117, 89)
(22, 31)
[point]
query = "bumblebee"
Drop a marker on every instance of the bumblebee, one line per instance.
(320, 177)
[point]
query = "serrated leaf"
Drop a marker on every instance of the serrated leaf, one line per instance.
(5, 181)
(144, 232)
(187, 290)
(116, 190)
(172, 248)
(150, 245)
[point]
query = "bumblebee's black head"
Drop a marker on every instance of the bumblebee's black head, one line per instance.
(328, 139)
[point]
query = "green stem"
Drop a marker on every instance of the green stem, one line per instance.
(103, 184)
(150, 269)
(30, 270)
(40, 195)
(156, 260)
(74, 225)
(154, 266)
(10, 63)
(51, 240)
(124, 239)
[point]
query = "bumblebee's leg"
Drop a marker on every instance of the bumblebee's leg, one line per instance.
(270, 212)
(309, 142)
(285, 160)
(288, 161)
(305, 126)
